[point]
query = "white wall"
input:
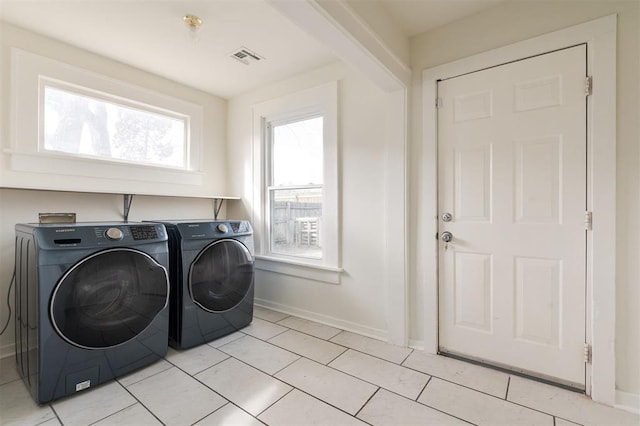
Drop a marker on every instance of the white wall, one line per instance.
(359, 301)
(17, 205)
(213, 130)
(516, 21)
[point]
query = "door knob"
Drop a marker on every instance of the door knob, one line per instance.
(447, 236)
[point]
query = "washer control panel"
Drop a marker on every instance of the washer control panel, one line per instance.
(98, 234)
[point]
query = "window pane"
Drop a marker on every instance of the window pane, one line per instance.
(296, 222)
(297, 153)
(77, 124)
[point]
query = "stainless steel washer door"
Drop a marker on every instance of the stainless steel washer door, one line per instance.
(109, 298)
(221, 275)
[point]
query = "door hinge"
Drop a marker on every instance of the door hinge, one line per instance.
(588, 86)
(588, 220)
(587, 353)
(438, 102)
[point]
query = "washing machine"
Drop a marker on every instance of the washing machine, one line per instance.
(91, 303)
(212, 279)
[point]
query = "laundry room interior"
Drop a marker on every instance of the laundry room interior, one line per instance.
(367, 64)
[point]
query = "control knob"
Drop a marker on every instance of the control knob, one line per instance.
(114, 234)
(223, 228)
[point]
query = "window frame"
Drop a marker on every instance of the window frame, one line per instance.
(313, 102)
(30, 71)
(269, 186)
(74, 89)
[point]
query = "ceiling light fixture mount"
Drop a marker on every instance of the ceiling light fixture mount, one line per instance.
(193, 23)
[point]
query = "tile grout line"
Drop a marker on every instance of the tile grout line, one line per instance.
(55, 413)
(444, 412)
(115, 412)
(423, 388)
(406, 357)
(506, 394)
(313, 335)
(274, 402)
(457, 384)
(217, 409)
(310, 321)
(141, 403)
(337, 356)
(291, 363)
(309, 335)
(366, 381)
(366, 402)
(328, 403)
(265, 339)
(426, 405)
(117, 379)
(224, 405)
(306, 334)
(186, 372)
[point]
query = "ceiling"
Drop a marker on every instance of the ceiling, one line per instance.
(150, 35)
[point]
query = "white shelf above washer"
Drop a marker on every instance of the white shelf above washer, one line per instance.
(127, 198)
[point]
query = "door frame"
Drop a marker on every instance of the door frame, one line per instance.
(600, 38)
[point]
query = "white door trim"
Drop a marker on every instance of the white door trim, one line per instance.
(600, 38)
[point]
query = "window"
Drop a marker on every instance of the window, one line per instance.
(76, 123)
(68, 122)
(296, 186)
(294, 191)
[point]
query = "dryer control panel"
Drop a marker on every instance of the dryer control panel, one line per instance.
(196, 230)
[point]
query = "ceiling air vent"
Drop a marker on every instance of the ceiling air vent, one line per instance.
(246, 56)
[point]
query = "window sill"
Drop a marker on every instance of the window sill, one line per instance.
(326, 274)
(35, 162)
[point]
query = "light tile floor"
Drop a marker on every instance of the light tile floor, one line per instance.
(283, 370)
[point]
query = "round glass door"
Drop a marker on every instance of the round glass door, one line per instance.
(221, 275)
(109, 298)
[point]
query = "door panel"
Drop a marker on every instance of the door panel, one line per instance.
(512, 173)
(472, 287)
(473, 184)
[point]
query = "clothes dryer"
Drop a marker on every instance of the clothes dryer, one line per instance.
(212, 279)
(91, 303)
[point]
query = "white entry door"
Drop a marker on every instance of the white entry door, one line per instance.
(512, 179)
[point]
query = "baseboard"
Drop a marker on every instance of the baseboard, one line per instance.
(324, 319)
(7, 350)
(416, 344)
(628, 401)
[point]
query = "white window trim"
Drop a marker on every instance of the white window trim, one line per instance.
(29, 71)
(319, 100)
(47, 82)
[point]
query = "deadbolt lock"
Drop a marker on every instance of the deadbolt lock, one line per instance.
(446, 217)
